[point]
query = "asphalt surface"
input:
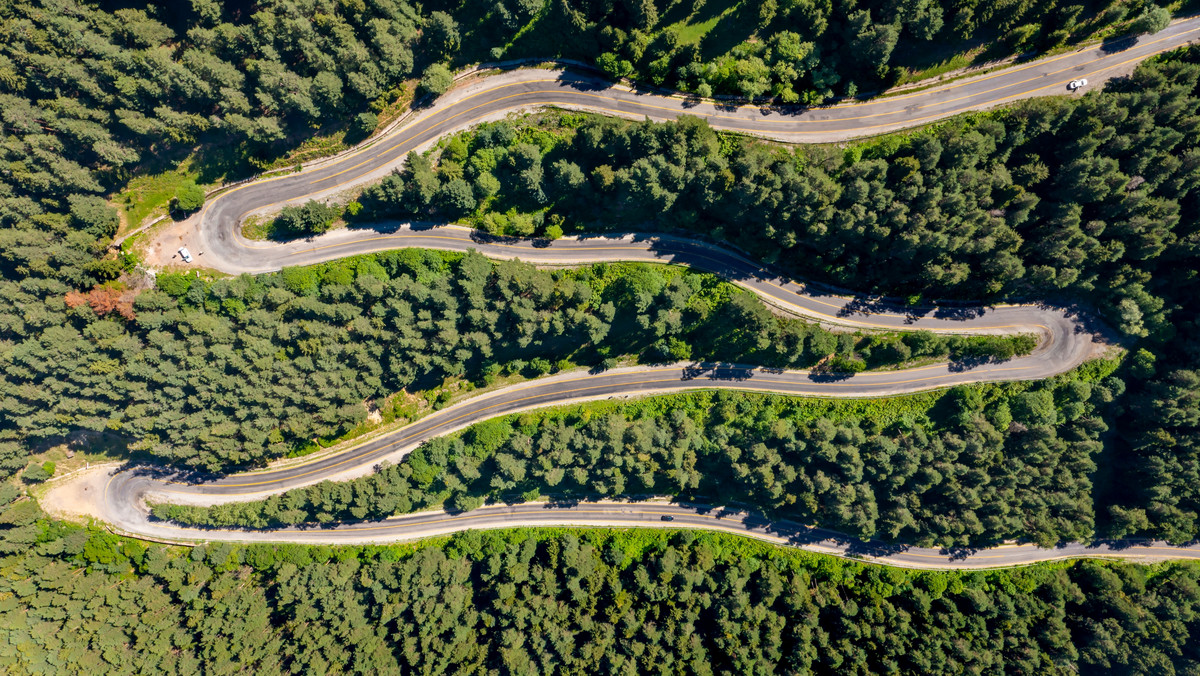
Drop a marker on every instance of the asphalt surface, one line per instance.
(1065, 341)
(226, 250)
(654, 514)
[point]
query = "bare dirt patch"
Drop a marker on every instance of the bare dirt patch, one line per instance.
(76, 496)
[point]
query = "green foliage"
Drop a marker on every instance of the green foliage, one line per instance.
(38, 473)
(890, 468)
(365, 124)
(457, 198)
(91, 94)
(642, 600)
(441, 36)
(1152, 20)
(1077, 199)
(792, 51)
(226, 373)
(81, 111)
(102, 547)
(312, 218)
(188, 197)
(93, 215)
(436, 79)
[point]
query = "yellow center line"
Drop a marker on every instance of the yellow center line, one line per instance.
(762, 121)
(752, 108)
(505, 391)
(720, 524)
(762, 278)
(926, 93)
(764, 378)
(758, 377)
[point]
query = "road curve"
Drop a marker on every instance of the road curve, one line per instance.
(120, 498)
(1064, 341)
(489, 97)
(657, 514)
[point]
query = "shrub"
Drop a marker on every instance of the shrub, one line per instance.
(38, 473)
(1153, 20)
(188, 197)
(173, 283)
(538, 366)
(313, 218)
(457, 198)
(436, 80)
(364, 124)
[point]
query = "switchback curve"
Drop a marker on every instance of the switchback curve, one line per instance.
(1064, 341)
(218, 234)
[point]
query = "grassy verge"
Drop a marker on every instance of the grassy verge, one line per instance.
(65, 460)
(950, 64)
(313, 148)
(327, 142)
(860, 350)
(694, 28)
(258, 228)
(150, 195)
(404, 408)
(679, 445)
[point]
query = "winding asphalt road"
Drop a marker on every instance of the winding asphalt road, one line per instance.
(494, 96)
(657, 514)
(1064, 342)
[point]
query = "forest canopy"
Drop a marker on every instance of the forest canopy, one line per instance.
(1090, 200)
(805, 51)
(1072, 200)
(76, 600)
(1080, 200)
(972, 466)
(230, 373)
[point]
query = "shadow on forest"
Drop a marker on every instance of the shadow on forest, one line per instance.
(167, 473)
(792, 532)
(731, 264)
(958, 313)
(797, 534)
(726, 261)
(481, 237)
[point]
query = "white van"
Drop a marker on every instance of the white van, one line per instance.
(185, 254)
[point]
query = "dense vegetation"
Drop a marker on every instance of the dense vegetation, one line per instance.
(973, 466)
(83, 88)
(1081, 199)
(88, 98)
(232, 372)
(79, 601)
(1074, 197)
(1092, 198)
(796, 50)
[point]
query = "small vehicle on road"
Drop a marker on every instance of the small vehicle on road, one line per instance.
(1076, 84)
(667, 517)
(185, 254)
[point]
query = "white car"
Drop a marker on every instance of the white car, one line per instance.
(185, 254)
(1076, 84)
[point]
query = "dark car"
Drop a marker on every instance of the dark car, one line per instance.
(667, 517)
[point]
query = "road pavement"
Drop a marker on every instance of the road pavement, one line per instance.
(495, 96)
(1065, 339)
(662, 514)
